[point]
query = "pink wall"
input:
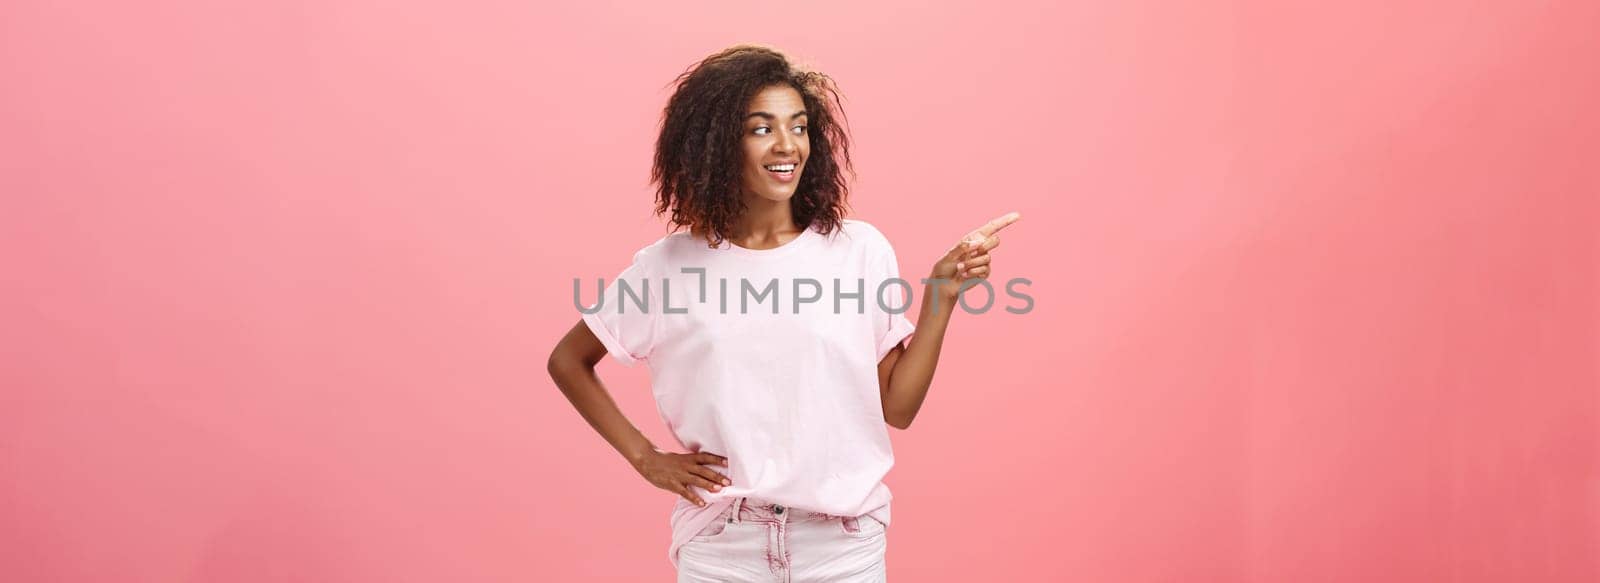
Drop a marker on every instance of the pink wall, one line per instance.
(1316, 286)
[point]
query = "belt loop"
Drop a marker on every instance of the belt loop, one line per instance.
(737, 502)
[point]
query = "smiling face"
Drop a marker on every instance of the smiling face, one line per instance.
(776, 143)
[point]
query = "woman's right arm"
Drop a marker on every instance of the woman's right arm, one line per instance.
(572, 365)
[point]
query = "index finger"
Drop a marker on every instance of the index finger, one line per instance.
(998, 223)
(711, 458)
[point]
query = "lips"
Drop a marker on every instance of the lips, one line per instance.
(783, 172)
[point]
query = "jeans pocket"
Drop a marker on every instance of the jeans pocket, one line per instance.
(863, 526)
(714, 530)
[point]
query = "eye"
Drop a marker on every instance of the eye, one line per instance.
(800, 130)
(763, 130)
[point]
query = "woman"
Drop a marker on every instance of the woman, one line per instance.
(781, 406)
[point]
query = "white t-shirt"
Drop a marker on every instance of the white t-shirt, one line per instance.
(743, 366)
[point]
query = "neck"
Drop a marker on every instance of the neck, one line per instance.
(764, 224)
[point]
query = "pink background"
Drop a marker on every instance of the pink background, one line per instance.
(1316, 286)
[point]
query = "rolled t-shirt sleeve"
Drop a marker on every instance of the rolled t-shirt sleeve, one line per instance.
(890, 325)
(627, 309)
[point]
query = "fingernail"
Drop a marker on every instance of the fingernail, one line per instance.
(725, 482)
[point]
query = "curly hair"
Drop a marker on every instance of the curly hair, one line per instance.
(698, 155)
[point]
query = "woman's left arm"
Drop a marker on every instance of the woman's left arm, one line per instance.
(905, 374)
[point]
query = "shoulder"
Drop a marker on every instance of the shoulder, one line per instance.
(671, 249)
(863, 234)
(656, 251)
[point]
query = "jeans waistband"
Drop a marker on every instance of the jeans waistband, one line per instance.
(757, 509)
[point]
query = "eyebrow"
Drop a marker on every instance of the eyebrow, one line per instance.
(768, 116)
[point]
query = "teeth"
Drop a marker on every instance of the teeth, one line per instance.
(781, 167)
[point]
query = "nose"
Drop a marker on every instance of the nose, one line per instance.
(785, 144)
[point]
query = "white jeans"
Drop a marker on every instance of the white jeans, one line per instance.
(755, 541)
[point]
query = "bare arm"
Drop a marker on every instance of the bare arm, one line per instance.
(572, 365)
(905, 374)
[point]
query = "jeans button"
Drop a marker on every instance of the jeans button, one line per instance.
(777, 508)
